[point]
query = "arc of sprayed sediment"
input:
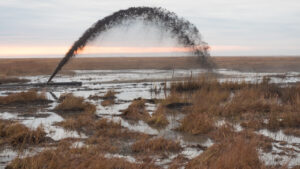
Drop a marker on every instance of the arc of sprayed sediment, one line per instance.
(186, 33)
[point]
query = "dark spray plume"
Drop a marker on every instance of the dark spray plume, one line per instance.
(186, 33)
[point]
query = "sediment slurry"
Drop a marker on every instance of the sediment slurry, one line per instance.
(186, 33)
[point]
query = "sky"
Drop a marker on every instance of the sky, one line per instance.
(39, 28)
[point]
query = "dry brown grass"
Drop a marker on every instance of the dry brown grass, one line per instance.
(156, 145)
(223, 132)
(110, 94)
(253, 123)
(6, 80)
(71, 103)
(248, 101)
(197, 123)
(80, 158)
(291, 120)
(18, 135)
(136, 111)
(234, 153)
(158, 118)
(244, 103)
(184, 86)
(109, 102)
(291, 131)
(108, 136)
(30, 96)
(81, 123)
(108, 98)
(20, 67)
(178, 162)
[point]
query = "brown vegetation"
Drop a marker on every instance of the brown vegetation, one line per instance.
(158, 118)
(136, 111)
(196, 123)
(110, 94)
(18, 135)
(71, 103)
(20, 67)
(6, 80)
(30, 96)
(234, 153)
(248, 103)
(156, 145)
(81, 158)
(108, 98)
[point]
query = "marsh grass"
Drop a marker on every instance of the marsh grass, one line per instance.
(19, 136)
(71, 103)
(81, 158)
(234, 153)
(27, 97)
(136, 111)
(156, 145)
(7, 80)
(248, 104)
(108, 98)
(197, 123)
(158, 118)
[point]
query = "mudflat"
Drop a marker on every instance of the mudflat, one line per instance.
(39, 66)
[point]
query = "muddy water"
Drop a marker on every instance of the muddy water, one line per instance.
(132, 84)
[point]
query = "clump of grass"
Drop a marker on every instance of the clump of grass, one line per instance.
(109, 136)
(248, 101)
(18, 135)
(30, 96)
(81, 123)
(291, 131)
(236, 153)
(72, 103)
(156, 145)
(136, 111)
(209, 101)
(108, 98)
(197, 123)
(178, 162)
(184, 86)
(107, 102)
(158, 118)
(273, 122)
(291, 120)
(81, 158)
(110, 94)
(253, 123)
(223, 132)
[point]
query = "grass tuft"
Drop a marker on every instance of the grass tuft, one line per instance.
(18, 135)
(156, 145)
(70, 103)
(30, 96)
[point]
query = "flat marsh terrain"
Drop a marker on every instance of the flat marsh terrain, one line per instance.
(151, 113)
(19, 67)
